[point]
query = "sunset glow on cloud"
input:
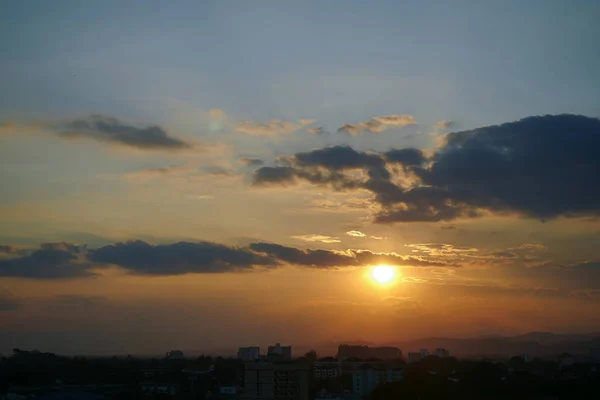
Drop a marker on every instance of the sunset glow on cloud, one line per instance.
(230, 168)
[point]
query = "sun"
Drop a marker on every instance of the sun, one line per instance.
(383, 273)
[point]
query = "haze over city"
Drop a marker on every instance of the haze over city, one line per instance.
(209, 175)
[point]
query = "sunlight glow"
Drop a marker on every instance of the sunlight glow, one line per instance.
(383, 273)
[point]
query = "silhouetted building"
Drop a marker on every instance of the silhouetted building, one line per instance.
(325, 395)
(154, 388)
(439, 352)
(228, 390)
(175, 355)
(324, 371)
(346, 351)
(279, 353)
(275, 381)
(414, 356)
(248, 353)
(366, 378)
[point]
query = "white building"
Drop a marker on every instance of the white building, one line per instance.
(248, 353)
(367, 378)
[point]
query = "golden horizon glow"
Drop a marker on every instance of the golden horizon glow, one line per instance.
(383, 273)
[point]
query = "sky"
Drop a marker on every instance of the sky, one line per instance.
(223, 173)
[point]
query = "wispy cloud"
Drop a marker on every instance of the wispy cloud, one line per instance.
(378, 124)
(112, 130)
(355, 234)
(252, 162)
(317, 238)
(272, 127)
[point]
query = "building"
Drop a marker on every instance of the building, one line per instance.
(326, 370)
(325, 395)
(279, 353)
(414, 356)
(366, 378)
(248, 353)
(439, 352)
(228, 390)
(266, 380)
(175, 355)
(153, 388)
(346, 351)
(424, 353)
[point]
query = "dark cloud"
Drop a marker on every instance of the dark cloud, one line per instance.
(178, 258)
(110, 129)
(274, 175)
(331, 258)
(51, 261)
(540, 167)
(408, 157)
(65, 260)
(253, 162)
(325, 166)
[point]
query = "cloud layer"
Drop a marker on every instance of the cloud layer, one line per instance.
(109, 129)
(272, 127)
(65, 260)
(541, 167)
(378, 124)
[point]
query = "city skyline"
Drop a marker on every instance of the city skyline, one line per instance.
(223, 174)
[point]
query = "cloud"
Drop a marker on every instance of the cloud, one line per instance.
(151, 173)
(111, 130)
(444, 124)
(378, 124)
(317, 238)
(331, 258)
(316, 130)
(355, 233)
(203, 197)
(12, 128)
(541, 167)
(441, 248)
(66, 260)
(409, 157)
(178, 258)
(218, 171)
(252, 162)
(272, 127)
(273, 175)
(50, 261)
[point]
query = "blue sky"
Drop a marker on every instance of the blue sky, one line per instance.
(127, 121)
(477, 63)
